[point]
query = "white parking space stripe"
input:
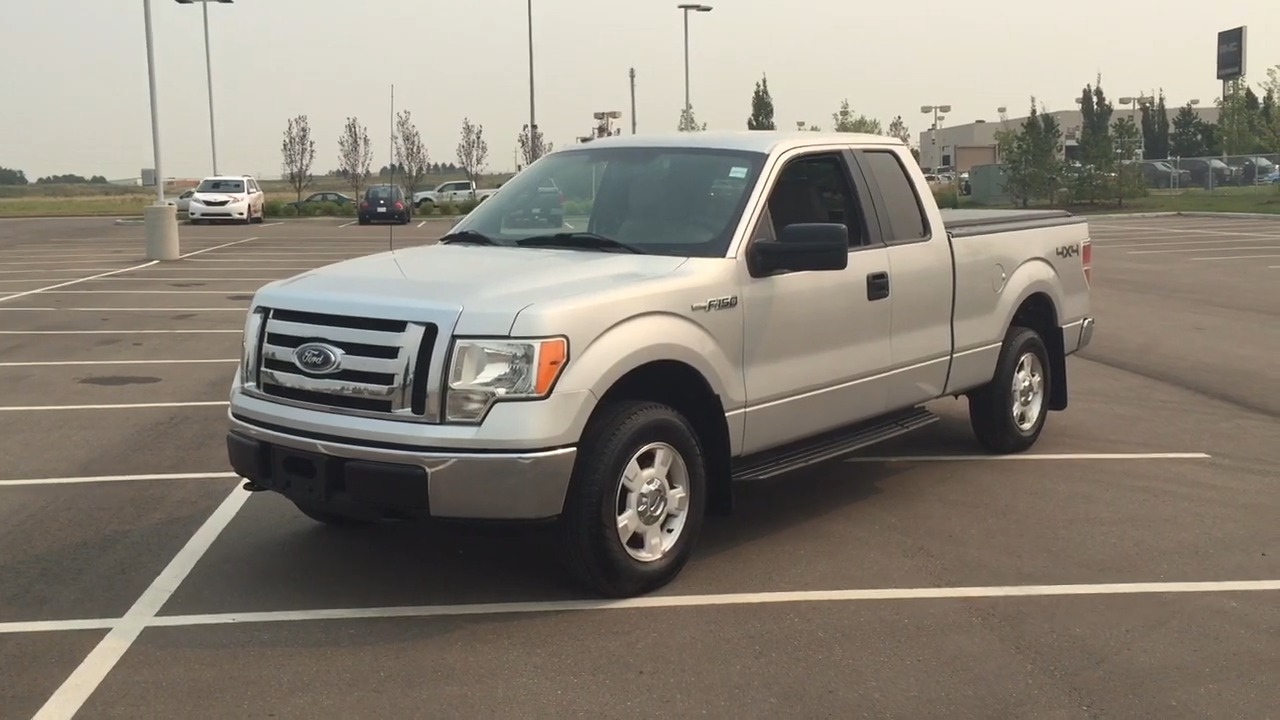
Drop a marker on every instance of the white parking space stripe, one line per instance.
(235, 308)
(659, 601)
(150, 278)
(1206, 241)
(53, 288)
(67, 363)
(1192, 231)
(67, 700)
(117, 478)
(1032, 457)
(117, 406)
(1239, 257)
(1192, 250)
(29, 271)
(182, 331)
(115, 261)
(353, 222)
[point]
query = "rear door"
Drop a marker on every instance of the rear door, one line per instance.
(920, 276)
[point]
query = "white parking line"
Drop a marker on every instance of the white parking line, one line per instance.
(116, 272)
(659, 601)
(1034, 456)
(119, 406)
(67, 700)
(68, 363)
(1193, 250)
(1239, 257)
(117, 478)
(1207, 241)
(353, 222)
(183, 331)
(424, 222)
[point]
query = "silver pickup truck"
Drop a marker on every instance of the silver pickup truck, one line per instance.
(714, 307)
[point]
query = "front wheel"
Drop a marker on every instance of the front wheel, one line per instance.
(1008, 413)
(636, 500)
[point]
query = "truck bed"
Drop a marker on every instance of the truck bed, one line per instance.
(970, 222)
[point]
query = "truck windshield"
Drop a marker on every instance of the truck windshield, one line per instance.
(658, 200)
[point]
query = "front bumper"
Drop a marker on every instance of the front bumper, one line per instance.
(230, 211)
(446, 484)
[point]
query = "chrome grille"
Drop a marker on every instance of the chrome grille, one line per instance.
(383, 372)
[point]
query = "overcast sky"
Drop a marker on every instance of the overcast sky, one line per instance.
(74, 99)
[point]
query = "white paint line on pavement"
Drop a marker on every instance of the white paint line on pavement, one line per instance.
(54, 288)
(1206, 241)
(72, 262)
(117, 478)
(119, 406)
(1033, 456)
(61, 270)
(67, 700)
(1273, 267)
(353, 222)
(145, 292)
(138, 278)
(181, 331)
(271, 224)
(76, 363)
(1196, 231)
(237, 308)
(1193, 250)
(424, 222)
(658, 601)
(1238, 257)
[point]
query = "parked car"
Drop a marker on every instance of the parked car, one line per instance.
(1253, 170)
(322, 197)
(1160, 174)
(616, 379)
(227, 198)
(384, 203)
(454, 192)
(184, 200)
(1209, 172)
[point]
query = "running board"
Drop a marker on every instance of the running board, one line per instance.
(831, 445)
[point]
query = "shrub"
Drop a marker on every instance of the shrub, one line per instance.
(289, 211)
(468, 205)
(273, 208)
(946, 197)
(446, 208)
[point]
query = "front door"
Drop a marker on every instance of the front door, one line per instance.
(814, 342)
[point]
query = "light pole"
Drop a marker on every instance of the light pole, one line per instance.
(208, 70)
(1134, 102)
(933, 131)
(535, 145)
(687, 7)
(161, 219)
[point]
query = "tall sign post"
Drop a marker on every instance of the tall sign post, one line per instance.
(1231, 66)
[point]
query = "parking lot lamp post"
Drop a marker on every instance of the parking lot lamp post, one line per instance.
(933, 131)
(208, 70)
(161, 219)
(687, 7)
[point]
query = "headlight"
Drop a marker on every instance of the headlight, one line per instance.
(483, 372)
(249, 345)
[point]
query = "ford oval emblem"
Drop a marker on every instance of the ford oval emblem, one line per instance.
(318, 358)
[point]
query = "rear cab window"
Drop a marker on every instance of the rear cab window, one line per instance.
(903, 218)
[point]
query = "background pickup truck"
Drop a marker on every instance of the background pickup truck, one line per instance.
(454, 191)
(716, 308)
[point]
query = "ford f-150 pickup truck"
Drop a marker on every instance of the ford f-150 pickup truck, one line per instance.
(717, 307)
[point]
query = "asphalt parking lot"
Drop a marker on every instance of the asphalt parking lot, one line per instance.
(1128, 566)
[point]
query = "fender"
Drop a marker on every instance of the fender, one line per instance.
(1031, 277)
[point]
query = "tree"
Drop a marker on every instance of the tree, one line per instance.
(532, 147)
(898, 128)
(1237, 111)
(1030, 156)
(411, 153)
(761, 107)
(845, 121)
(1160, 141)
(299, 153)
(1128, 179)
(689, 122)
(10, 176)
(473, 152)
(1097, 151)
(1185, 140)
(355, 154)
(1269, 135)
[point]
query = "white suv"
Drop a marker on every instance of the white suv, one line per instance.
(227, 198)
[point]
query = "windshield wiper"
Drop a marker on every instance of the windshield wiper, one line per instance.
(577, 240)
(467, 236)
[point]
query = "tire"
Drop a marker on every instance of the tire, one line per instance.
(1006, 420)
(591, 544)
(320, 515)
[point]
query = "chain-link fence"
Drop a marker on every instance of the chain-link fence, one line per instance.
(1211, 173)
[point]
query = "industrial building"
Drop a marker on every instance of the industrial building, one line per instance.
(960, 147)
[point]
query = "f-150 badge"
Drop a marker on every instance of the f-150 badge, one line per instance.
(727, 302)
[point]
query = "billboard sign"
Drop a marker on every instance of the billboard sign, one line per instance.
(1231, 46)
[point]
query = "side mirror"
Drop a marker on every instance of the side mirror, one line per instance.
(802, 246)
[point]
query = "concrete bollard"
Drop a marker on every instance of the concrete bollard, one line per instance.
(162, 231)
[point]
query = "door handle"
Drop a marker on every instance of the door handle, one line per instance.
(877, 285)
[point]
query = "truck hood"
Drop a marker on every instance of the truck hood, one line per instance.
(489, 286)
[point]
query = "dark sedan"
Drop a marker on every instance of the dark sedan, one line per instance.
(384, 203)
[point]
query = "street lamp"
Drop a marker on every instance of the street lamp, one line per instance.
(161, 219)
(1134, 102)
(535, 147)
(208, 68)
(686, 8)
(933, 131)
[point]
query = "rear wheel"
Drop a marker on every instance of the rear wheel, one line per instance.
(636, 500)
(1008, 413)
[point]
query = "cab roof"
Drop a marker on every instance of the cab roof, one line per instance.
(762, 141)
